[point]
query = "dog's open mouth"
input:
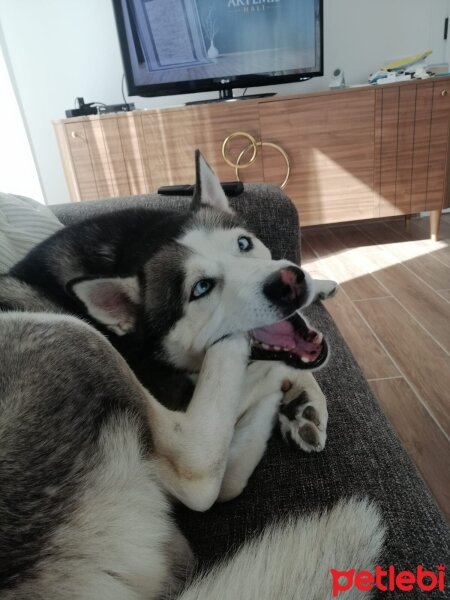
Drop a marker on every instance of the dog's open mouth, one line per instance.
(290, 341)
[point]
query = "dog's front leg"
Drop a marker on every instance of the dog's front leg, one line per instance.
(191, 448)
(273, 389)
(249, 443)
(261, 398)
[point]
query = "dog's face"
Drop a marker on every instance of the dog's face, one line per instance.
(215, 279)
(230, 285)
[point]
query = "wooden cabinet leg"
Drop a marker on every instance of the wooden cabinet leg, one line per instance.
(435, 219)
(407, 222)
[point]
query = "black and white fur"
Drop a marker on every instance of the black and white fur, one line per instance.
(92, 451)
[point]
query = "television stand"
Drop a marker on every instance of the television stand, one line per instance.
(355, 153)
(227, 96)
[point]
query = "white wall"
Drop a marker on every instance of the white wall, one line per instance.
(60, 49)
(18, 172)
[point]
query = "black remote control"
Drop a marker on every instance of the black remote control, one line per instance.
(231, 188)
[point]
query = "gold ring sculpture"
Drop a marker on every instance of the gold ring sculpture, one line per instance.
(254, 145)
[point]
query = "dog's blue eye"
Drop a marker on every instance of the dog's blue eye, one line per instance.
(201, 288)
(245, 243)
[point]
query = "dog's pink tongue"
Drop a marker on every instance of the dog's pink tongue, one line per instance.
(280, 334)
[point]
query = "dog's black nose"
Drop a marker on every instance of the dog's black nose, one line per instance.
(286, 287)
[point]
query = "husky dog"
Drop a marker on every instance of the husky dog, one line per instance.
(144, 356)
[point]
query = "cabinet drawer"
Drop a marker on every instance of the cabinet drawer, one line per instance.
(81, 161)
(439, 132)
(172, 136)
(330, 143)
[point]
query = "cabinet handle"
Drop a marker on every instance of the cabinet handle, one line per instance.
(444, 93)
(254, 145)
(76, 136)
(275, 147)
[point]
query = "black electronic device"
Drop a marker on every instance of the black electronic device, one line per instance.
(84, 109)
(81, 112)
(93, 108)
(105, 109)
(185, 46)
(231, 188)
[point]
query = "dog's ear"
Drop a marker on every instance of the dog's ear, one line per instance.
(112, 302)
(208, 191)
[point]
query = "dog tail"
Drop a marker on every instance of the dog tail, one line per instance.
(294, 560)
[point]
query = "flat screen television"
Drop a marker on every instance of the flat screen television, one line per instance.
(184, 46)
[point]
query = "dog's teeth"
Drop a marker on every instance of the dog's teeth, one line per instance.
(265, 346)
(305, 360)
(276, 348)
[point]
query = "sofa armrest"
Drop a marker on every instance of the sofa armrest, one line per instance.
(265, 208)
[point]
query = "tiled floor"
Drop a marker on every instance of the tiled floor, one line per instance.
(393, 309)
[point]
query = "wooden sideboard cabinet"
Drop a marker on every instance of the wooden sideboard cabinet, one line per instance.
(357, 153)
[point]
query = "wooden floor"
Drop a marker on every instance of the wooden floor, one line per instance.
(393, 309)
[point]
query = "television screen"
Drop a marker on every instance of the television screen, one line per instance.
(182, 46)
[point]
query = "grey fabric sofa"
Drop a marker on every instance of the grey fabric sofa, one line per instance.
(363, 456)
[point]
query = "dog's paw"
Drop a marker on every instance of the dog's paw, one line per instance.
(325, 288)
(303, 422)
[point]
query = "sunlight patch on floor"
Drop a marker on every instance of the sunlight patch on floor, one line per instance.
(350, 264)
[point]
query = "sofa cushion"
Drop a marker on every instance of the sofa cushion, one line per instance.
(23, 224)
